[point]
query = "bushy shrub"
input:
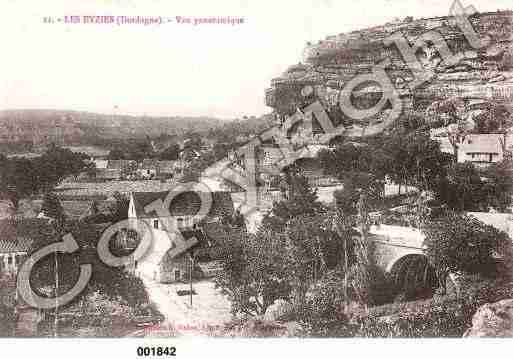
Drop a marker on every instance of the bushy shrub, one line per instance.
(447, 316)
(7, 320)
(461, 243)
(252, 328)
(507, 61)
(324, 314)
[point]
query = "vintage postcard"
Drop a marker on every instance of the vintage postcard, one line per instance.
(244, 169)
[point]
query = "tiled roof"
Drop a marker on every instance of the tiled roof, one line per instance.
(212, 240)
(21, 245)
(108, 173)
(74, 209)
(162, 166)
(11, 229)
(119, 164)
(17, 234)
(166, 165)
(101, 163)
(148, 163)
(482, 143)
(501, 221)
(184, 204)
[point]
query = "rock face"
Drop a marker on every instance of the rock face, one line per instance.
(493, 320)
(484, 73)
(7, 209)
(278, 310)
(256, 328)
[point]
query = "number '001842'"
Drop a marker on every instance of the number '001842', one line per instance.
(156, 351)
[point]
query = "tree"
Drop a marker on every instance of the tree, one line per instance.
(191, 172)
(119, 209)
(498, 185)
(57, 163)
(60, 272)
(300, 199)
(220, 150)
(445, 112)
(406, 158)
(415, 159)
(116, 154)
(355, 184)
(42, 173)
(461, 243)
(425, 162)
(171, 153)
(494, 119)
(313, 247)
(52, 208)
(325, 310)
(129, 169)
(196, 166)
(253, 275)
(462, 189)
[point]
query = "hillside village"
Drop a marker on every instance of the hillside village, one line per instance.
(354, 237)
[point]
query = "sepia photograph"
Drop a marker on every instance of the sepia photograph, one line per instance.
(251, 170)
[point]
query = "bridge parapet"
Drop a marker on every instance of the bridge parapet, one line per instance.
(391, 243)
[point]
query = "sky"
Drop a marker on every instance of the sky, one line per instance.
(174, 69)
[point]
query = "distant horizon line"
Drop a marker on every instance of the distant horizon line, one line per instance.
(155, 116)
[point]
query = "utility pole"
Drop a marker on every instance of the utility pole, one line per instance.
(338, 220)
(190, 276)
(56, 322)
(345, 275)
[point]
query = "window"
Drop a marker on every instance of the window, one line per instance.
(19, 259)
(9, 260)
(156, 223)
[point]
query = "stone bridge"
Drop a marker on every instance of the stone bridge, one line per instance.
(398, 251)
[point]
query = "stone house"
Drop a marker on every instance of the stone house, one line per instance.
(147, 169)
(168, 167)
(183, 211)
(203, 259)
(7, 209)
(16, 237)
(125, 168)
(481, 149)
(151, 168)
(108, 174)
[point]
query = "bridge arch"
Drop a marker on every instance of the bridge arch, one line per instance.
(413, 276)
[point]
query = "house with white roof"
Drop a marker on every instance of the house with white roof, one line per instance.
(481, 149)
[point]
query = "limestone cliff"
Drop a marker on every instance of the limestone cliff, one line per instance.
(480, 77)
(493, 320)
